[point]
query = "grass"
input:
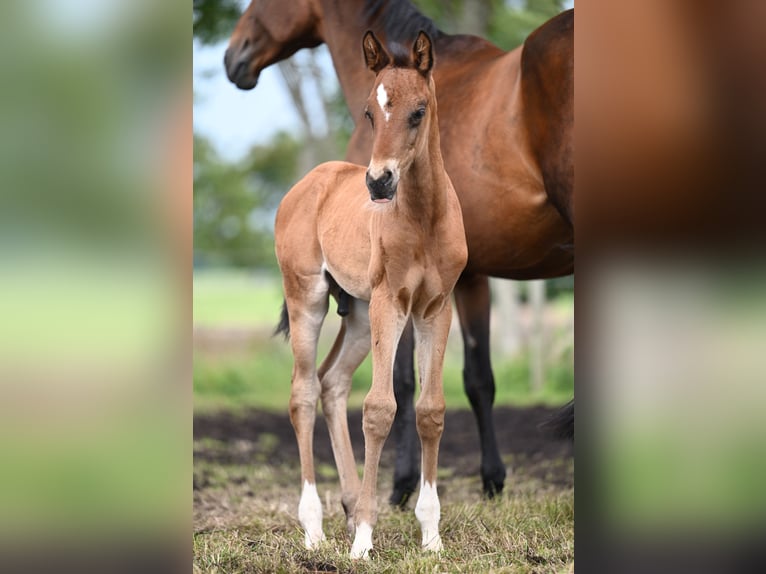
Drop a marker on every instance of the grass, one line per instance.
(233, 298)
(527, 530)
(261, 379)
(257, 373)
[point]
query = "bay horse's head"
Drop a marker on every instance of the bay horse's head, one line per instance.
(400, 108)
(269, 31)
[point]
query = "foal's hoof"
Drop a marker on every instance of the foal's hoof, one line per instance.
(362, 545)
(433, 545)
(312, 541)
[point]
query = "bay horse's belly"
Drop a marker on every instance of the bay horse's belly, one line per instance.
(513, 231)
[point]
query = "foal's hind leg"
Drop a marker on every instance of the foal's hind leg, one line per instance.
(431, 336)
(351, 347)
(472, 301)
(307, 299)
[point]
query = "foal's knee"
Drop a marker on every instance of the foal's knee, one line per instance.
(378, 415)
(430, 418)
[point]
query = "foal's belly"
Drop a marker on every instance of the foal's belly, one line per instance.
(354, 281)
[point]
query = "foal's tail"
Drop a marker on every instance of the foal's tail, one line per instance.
(283, 328)
(561, 424)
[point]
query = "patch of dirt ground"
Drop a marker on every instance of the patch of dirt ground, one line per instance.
(253, 436)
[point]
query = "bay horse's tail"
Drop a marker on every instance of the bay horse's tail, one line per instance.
(283, 328)
(561, 424)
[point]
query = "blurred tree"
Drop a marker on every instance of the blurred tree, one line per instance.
(214, 20)
(234, 204)
(505, 22)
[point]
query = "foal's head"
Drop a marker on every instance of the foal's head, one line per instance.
(400, 108)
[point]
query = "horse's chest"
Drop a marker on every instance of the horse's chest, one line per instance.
(418, 275)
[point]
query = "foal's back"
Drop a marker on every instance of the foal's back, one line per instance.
(329, 210)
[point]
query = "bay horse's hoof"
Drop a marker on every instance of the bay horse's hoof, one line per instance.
(404, 487)
(493, 483)
(400, 497)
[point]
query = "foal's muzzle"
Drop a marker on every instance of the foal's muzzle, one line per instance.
(383, 188)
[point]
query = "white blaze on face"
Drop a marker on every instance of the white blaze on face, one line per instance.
(428, 513)
(383, 100)
(310, 515)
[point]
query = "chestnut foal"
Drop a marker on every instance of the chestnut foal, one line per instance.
(401, 248)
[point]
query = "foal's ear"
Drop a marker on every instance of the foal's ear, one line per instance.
(422, 54)
(375, 56)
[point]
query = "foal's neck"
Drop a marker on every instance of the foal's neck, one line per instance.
(424, 186)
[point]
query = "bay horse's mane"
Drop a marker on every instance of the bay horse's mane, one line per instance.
(400, 21)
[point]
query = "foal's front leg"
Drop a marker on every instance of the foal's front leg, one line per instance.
(431, 342)
(386, 324)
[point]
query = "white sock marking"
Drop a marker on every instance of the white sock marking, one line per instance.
(383, 100)
(362, 542)
(310, 515)
(428, 512)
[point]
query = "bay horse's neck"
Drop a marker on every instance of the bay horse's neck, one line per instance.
(343, 25)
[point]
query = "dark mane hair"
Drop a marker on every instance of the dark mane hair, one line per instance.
(399, 21)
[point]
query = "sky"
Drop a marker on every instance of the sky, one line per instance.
(234, 120)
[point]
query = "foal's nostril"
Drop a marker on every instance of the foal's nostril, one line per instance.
(387, 176)
(226, 59)
(246, 44)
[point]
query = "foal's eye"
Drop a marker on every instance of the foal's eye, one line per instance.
(417, 116)
(368, 115)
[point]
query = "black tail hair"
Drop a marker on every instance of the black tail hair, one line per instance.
(561, 424)
(283, 328)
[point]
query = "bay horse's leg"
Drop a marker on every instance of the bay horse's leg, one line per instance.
(348, 352)
(431, 336)
(386, 325)
(407, 466)
(472, 301)
(306, 310)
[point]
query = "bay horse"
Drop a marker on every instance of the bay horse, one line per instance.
(506, 132)
(401, 247)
